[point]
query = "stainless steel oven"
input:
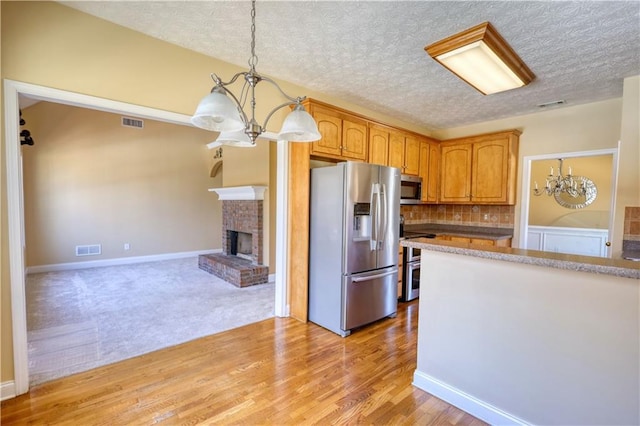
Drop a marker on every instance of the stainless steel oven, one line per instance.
(411, 275)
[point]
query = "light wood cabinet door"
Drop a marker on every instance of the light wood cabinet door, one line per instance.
(484, 165)
(455, 173)
(404, 153)
(504, 242)
(354, 140)
(396, 150)
(429, 162)
(330, 127)
(378, 145)
(489, 176)
(411, 155)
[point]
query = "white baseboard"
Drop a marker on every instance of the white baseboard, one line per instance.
(7, 390)
(118, 261)
(464, 401)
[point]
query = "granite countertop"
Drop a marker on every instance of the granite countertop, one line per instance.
(461, 231)
(597, 265)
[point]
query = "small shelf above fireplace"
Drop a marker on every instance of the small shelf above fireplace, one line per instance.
(251, 192)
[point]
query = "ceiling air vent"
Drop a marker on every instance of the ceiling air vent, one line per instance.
(551, 104)
(132, 122)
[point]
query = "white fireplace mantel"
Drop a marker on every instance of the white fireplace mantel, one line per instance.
(252, 192)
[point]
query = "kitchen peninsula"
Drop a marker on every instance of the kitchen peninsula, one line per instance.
(525, 337)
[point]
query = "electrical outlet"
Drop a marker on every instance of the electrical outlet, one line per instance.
(486, 217)
(127, 246)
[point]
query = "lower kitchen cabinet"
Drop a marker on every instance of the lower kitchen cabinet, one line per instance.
(503, 242)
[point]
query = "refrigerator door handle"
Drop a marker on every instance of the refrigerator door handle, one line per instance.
(378, 214)
(373, 277)
(374, 211)
(382, 230)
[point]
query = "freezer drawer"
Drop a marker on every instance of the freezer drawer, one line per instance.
(369, 297)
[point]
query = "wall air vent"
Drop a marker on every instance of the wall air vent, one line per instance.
(132, 122)
(89, 250)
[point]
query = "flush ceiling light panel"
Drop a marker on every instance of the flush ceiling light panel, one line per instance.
(482, 58)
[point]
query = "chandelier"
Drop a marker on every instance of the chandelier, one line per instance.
(223, 112)
(568, 188)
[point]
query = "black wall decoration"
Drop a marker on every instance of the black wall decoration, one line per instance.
(25, 135)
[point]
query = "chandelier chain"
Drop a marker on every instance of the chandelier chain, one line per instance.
(253, 61)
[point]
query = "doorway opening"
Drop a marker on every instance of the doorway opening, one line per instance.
(562, 223)
(15, 206)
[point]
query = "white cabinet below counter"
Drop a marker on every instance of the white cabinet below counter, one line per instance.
(582, 241)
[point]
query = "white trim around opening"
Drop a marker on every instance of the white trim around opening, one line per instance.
(526, 185)
(15, 211)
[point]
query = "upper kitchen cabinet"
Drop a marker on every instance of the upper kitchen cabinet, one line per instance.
(479, 169)
(429, 169)
(378, 145)
(455, 172)
(404, 152)
(344, 136)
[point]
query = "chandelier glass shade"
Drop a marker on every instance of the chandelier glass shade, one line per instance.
(222, 111)
(238, 138)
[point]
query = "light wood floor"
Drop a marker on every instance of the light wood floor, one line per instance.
(278, 371)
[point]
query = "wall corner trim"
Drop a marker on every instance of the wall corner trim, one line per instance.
(464, 401)
(7, 390)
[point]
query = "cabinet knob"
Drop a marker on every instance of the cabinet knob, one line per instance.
(608, 244)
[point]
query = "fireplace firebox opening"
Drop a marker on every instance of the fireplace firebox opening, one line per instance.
(241, 245)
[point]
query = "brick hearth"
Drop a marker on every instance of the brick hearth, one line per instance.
(237, 271)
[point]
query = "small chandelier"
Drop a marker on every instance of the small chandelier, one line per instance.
(574, 186)
(222, 111)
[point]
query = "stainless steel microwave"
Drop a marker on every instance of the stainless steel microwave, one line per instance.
(410, 189)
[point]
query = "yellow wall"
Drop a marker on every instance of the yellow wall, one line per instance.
(48, 44)
(545, 211)
(89, 180)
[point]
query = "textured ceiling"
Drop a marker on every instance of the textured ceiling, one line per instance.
(372, 53)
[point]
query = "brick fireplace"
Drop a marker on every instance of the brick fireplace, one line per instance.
(240, 262)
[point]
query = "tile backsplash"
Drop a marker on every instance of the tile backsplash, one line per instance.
(455, 214)
(631, 223)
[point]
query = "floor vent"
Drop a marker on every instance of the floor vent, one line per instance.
(89, 250)
(132, 122)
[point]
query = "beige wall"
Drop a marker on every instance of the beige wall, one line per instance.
(545, 211)
(48, 44)
(89, 180)
(560, 347)
(578, 128)
(629, 180)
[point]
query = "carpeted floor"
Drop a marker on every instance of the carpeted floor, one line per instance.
(81, 319)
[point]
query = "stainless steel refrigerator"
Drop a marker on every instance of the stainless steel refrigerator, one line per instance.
(353, 245)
